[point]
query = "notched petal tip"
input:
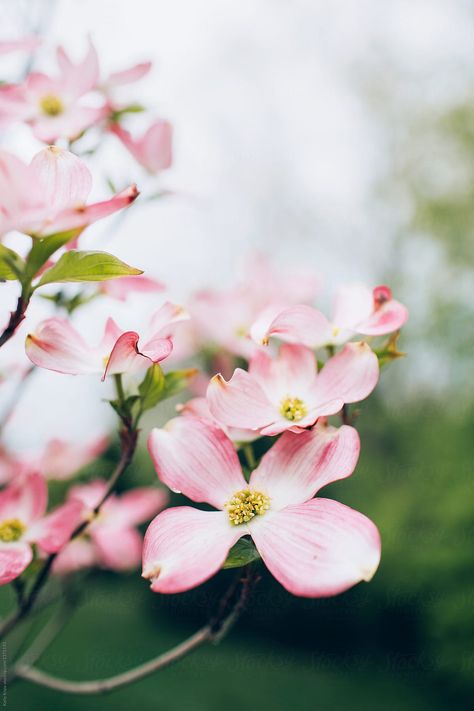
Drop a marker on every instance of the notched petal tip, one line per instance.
(152, 573)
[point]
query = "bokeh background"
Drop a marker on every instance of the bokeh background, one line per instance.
(339, 135)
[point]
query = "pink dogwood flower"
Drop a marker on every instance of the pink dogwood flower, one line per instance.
(56, 345)
(111, 539)
(287, 393)
(50, 194)
(153, 149)
(199, 407)
(54, 106)
(358, 310)
(225, 318)
(24, 522)
(314, 547)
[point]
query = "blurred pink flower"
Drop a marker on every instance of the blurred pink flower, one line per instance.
(112, 540)
(56, 345)
(24, 44)
(313, 547)
(120, 288)
(49, 195)
(286, 392)
(54, 106)
(23, 522)
(357, 310)
(153, 149)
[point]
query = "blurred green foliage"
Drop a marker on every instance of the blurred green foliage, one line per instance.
(400, 642)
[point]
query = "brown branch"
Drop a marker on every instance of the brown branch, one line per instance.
(214, 631)
(16, 317)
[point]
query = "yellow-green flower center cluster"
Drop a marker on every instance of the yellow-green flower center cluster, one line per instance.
(293, 409)
(246, 504)
(51, 105)
(11, 530)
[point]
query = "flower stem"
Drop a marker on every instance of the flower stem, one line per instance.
(214, 631)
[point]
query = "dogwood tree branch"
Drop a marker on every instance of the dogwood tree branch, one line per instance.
(230, 607)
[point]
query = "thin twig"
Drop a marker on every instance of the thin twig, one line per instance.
(212, 632)
(16, 317)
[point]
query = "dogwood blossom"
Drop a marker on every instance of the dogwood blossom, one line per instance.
(24, 522)
(112, 539)
(286, 392)
(153, 149)
(314, 547)
(358, 310)
(50, 194)
(56, 345)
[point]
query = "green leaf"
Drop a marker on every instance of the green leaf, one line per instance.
(176, 381)
(42, 250)
(86, 266)
(11, 264)
(115, 116)
(152, 387)
(242, 553)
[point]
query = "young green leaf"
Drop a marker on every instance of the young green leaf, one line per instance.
(176, 381)
(151, 388)
(86, 266)
(11, 264)
(242, 553)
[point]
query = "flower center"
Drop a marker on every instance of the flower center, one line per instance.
(293, 409)
(246, 504)
(11, 530)
(51, 105)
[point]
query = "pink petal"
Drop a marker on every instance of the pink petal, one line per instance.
(139, 505)
(26, 499)
(319, 548)
(127, 357)
(291, 373)
(183, 547)
(76, 555)
(78, 79)
(353, 304)
(153, 149)
(70, 124)
(126, 76)
(118, 548)
(241, 402)
(298, 465)
(53, 531)
(349, 376)
(167, 315)
(27, 44)
(14, 558)
(63, 459)
(56, 345)
(388, 318)
(296, 324)
(120, 288)
(196, 458)
(72, 218)
(66, 181)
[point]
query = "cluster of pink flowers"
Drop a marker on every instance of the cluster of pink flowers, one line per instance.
(272, 370)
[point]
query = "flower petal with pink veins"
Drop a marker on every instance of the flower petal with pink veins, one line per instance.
(138, 505)
(123, 286)
(118, 548)
(300, 324)
(353, 303)
(126, 76)
(57, 346)
(167, 315)
(53, 531)
(241, 402)
(319, 548)
(196, 458)
(65, 179)
(25, 499)
(291, 373)
(298, 465)
(126, 356)
(14, 558)
(350, 376)
(388, 318)
(184, 547)
(72, 218)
